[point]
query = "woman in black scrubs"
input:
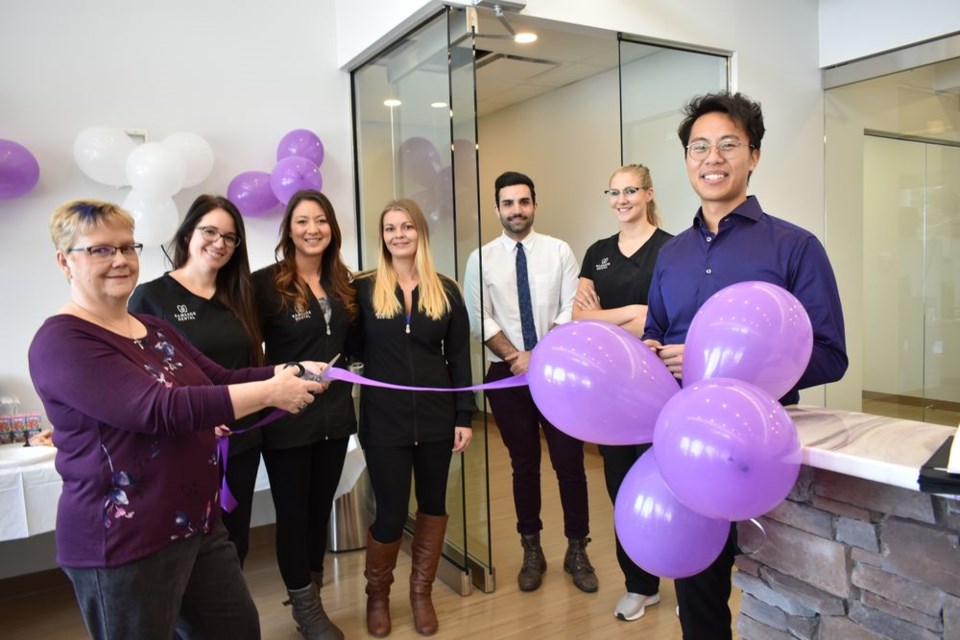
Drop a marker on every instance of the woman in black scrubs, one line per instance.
(614, 283)
(208, 297)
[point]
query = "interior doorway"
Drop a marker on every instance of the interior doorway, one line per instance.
(447, 107)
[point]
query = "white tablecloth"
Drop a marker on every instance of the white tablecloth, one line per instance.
(29, 491)
(30, 487)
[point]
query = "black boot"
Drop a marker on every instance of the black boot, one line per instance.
(534, 564)
(577, 564)
(312, 621)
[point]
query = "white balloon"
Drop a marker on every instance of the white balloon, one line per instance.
(155, 218)
(196, 153)
(101, 153)
(156, 170)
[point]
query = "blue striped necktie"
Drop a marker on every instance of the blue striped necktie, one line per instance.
(527, 325)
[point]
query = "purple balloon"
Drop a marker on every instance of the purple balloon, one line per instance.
(19, 170)
(303, 143)
(727, 449)
(599, 383)
(419, 161)
(657, 532)
(251, 192)
(294, 174)
(752, 331)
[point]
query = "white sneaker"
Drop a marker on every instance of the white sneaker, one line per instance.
(633, 605)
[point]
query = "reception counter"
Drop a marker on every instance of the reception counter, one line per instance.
(856, 552)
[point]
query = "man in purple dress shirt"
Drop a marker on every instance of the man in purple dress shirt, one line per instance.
(732, 240)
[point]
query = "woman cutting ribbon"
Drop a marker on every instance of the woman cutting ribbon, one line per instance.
(134, 406)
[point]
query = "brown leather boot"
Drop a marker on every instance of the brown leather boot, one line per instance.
(427, 547)
(534, 564)
(381, 561)
(577, 564)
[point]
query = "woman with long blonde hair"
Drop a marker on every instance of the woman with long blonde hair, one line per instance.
(415, 332)
(614, 282)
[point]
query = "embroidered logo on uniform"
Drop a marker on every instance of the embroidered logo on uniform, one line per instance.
(183, 314)
(298, 316)
(603, 264)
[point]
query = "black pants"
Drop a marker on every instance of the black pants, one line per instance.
(241, 478)
(302, 482)
(391, 470)
(704, 612)
(617, 461)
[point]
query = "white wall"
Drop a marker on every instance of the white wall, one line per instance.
(239, 73)
(851, 29)
(570, 164)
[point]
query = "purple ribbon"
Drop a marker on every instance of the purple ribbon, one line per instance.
(228, 502)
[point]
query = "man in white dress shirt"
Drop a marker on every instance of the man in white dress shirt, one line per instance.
(509, 313)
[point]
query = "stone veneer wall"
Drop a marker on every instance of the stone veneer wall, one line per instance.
(850, 559)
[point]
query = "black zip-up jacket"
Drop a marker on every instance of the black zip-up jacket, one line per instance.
(433, 353)
(292, 336)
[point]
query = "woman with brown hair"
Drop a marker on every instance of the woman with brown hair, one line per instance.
(208, 297)
(415, 332)
(307, 304)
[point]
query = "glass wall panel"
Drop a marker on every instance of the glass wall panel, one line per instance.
(892, 198)
(415, 118)
(650, 117)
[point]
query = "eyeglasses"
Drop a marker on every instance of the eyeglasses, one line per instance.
(210, 234)
(106, 251)
(726, 148)
(627, 191)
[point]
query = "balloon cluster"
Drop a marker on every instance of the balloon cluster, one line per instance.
(19, 170)
(299, 156)
(723, 449)
(156, 171)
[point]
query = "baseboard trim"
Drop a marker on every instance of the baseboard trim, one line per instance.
(911, 401)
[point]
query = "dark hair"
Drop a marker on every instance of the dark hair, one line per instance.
(741, 109)
(234, 285)
(509, 179)
(333, 272)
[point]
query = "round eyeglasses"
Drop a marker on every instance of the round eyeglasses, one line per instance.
(726, 148)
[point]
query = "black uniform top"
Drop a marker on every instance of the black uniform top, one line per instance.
(210, 327)
(620, 280)
(434, 353)
(314, 334)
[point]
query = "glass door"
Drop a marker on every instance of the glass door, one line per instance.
(655, 81)
(911, 277)
(415, 119)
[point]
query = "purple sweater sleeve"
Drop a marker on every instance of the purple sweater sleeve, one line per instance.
(76, 368)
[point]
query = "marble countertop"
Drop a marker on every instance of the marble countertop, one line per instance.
(878, 448)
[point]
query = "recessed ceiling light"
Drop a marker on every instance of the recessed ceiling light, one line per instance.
(438, 105)
(392, 102)
(525, 37)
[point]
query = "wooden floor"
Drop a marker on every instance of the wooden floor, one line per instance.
(556, 610)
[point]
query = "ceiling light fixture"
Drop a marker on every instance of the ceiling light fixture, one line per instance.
(523, 37)
(392, 102)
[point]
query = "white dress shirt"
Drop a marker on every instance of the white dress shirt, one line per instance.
(553, 273)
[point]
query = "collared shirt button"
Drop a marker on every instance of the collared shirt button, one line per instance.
(709, 238)
(709, 271)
